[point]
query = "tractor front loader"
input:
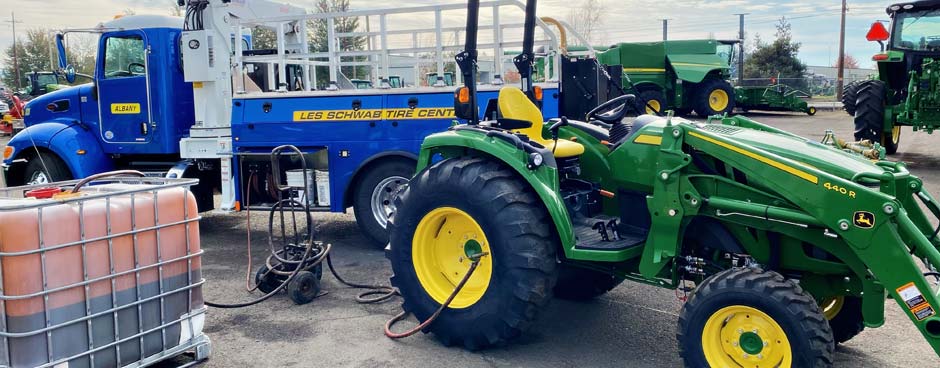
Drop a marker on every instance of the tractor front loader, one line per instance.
(787, 246)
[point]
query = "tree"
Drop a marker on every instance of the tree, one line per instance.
(586, 20)
(850, 62)
(777, 59)
(35, 53)
(318, 33)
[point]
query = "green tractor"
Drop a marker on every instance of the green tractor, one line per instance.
(682, 75)
(786, 246)
(906, 91)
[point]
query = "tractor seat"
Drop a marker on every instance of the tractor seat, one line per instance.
(514, 104)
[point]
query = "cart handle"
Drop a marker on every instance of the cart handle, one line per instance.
(106, 175)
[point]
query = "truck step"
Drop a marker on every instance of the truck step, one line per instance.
(605, 233)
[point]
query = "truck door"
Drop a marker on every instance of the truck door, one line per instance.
(124, 88)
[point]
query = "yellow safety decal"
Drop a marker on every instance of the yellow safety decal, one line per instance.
(787, 168)
(696, 64)
(643, 70)
(125, 108)
(375, 114)
(653, 140)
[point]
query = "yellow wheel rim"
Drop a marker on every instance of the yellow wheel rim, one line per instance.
(718, 100)
(832, 306)
(653, 107)
(443, 240)
(896, 134)
(742, 336)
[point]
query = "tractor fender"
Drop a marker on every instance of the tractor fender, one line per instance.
(543, 179)
(77, 147)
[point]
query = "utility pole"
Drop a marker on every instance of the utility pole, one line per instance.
(841, 58)
(741, 48)
(16, 65)
(665, 29)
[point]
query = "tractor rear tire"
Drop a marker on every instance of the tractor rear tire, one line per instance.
(869, 116)
(497, 212)
(845, 318)
(849, 96)
(650, 100)
(373, 197)
(752, 317)
(576, 283)
(713, 97)
(44, 168)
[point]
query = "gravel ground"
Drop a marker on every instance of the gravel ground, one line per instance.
(633, 326)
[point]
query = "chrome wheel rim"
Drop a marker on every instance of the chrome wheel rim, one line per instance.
(382, 198)
(38, 177)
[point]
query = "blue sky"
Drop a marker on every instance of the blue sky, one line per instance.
(815, 23)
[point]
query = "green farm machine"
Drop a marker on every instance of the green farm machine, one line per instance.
(682, 75)
(774, 97)
(906, 91)
(786, 246)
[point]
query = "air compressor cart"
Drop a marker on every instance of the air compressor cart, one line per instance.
(295, 257)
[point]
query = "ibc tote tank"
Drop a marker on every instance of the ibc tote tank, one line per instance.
(105, 277)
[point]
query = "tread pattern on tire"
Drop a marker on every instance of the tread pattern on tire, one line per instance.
(870, 110)
(530, 255)
(849, 96)
(774, 287)
(704, 89)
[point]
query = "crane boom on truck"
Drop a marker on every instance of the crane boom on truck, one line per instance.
(193, 98)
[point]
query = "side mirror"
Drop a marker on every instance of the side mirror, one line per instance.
(877, 32)
(69, 73)
(69, 70)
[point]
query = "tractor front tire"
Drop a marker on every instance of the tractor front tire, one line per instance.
(576, 283)
(713, 97)
(870, 116)
(849, 96)
(751, 317)
(463, 206)
(651, 101)
(845, 317)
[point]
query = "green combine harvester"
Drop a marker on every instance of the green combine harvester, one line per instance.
(785, 246)
(684, 76)
(906, 90)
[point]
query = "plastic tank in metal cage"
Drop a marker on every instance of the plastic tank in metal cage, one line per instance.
(107, 276)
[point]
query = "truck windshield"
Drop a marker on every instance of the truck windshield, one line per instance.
(124, 57)
(919, 31)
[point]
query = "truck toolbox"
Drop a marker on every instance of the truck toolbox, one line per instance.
(105, 277)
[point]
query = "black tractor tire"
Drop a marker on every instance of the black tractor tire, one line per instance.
(892, 140)
(649, 99)
(703, 93)
(576, 283)
(398, 171)
(847, 322)
(45, 165)
(266, 281)
(869, 116)
(303, 288)
(785, 303)
(849, 97)
(521, 240)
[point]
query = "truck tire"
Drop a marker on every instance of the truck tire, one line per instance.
(869, 116)
(576, 283)
(374, 195)
(713, 97)
(45, 168)
(845, 317)
(469, 205)
(651, 99)
(849, 96)
(751, 317)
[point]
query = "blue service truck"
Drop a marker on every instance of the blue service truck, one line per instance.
(155, 106)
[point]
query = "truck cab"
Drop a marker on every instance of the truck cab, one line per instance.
(137, 106)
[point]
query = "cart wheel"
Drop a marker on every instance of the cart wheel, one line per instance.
(304, 287)
(266, 281)
(811, 111)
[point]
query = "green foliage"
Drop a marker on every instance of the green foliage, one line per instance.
(35, 52)
(777, 59)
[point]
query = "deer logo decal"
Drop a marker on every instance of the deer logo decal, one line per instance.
(864, 219)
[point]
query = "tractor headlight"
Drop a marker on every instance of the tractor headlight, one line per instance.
(535, 160)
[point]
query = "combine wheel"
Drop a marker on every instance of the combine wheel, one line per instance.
(753, 318)
(652, 101)
(575, 283)
(870, 116)
(374, 195)
(845, 317)
(457, 208)
(713, 97)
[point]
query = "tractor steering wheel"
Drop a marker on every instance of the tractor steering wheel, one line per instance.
(611, 111)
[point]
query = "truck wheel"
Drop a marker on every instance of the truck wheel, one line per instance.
(45, 168)
(869, 116)
(845, 317)
(749, 318)
(849, 96)
(651, 101)
(374, 197)
(462, 206)
(576, 283)
(713, 97)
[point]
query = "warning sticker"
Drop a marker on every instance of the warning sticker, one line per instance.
(923, 311)
(911, 295)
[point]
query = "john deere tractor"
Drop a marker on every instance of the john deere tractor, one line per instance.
(906, 91)
(786, 246)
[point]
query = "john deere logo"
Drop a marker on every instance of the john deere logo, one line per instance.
(864, 219)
